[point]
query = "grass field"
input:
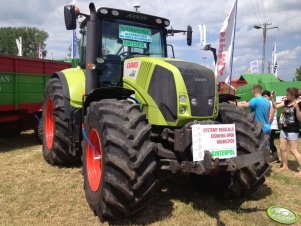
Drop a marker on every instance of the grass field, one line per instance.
(35, 193)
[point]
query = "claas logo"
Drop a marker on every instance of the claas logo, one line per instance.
(133, 64)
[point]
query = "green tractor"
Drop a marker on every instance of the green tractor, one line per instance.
(128, 112)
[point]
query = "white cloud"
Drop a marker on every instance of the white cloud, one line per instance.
(48, 15)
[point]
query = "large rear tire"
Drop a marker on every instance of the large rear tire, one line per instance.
(250, 138)
(56, 141)
(119, 183)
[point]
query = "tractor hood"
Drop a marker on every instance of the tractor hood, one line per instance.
(180, 90)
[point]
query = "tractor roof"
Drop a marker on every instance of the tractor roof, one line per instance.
(110, 13)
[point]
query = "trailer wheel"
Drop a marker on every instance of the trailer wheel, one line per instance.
(38, 130)
(119, 180)
(56, 141)
(250, 139)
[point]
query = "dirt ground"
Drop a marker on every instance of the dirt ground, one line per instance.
(35, 193)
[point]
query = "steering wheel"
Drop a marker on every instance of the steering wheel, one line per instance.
(127, 54)
(123, 54)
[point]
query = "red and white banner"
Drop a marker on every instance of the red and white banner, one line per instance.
(224, 56)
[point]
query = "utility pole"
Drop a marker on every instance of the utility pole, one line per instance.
(264, 27)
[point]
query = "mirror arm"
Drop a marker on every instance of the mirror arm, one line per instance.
(83, 14)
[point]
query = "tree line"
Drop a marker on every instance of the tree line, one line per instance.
(32, 37)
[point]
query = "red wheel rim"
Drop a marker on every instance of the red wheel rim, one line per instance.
(94, 165)
(49, 124)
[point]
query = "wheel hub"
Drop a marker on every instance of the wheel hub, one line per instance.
(94, 165)
(49, 124)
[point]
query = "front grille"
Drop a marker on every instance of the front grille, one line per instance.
(162, 89)
(200, 85)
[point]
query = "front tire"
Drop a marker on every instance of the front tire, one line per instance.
(250, 139)
(56, 140)
(119, 181)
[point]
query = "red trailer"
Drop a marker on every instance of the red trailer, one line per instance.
(22, 83)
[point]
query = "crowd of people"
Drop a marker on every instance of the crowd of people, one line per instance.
(265, 107)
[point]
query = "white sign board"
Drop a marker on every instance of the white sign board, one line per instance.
(131, 69)
(135, 33)
(280, 99)
(219, 139)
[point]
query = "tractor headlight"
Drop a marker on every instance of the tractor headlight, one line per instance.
(194, 102)
(210, 102)
(182, 98)
(182, 110)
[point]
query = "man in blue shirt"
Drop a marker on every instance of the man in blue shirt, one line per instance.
(261, 107)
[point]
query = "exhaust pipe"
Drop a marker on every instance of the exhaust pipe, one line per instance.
(91, 49)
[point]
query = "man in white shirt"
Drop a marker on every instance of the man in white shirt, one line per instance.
(274, 126)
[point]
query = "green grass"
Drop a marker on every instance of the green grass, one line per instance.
(35, 193)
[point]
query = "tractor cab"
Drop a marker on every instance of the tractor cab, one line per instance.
(121, 39)
(118, 35)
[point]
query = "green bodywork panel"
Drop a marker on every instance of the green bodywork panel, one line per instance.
(141, 81)
(76, 80)
(21, 88)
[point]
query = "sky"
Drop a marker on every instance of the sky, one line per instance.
(48, 15)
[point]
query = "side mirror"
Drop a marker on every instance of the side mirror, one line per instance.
(70, 17)
(189, 35)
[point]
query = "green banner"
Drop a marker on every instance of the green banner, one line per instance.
(135, 44)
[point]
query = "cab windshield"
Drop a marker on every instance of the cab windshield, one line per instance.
(120, 39)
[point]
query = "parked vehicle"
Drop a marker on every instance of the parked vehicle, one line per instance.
(130, 112)
(22, 84)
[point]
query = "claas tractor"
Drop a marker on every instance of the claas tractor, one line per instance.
(129, 113)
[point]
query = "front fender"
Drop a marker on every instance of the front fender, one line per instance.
(73, 88)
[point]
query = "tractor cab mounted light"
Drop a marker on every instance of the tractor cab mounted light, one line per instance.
(115, 13)
(158, 21)
(166, 22)
(104, 11)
